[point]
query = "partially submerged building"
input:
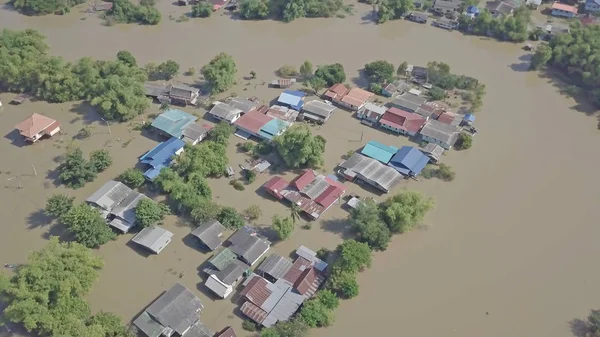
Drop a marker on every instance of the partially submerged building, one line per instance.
(355, 99)
(172, 122)
(317, 111)
(210, 234)
(378, 151)
(434, 152)
(224, 281)
(443, 134)
(161, 156)
(371, 113)
(245, 105)
(117, 203)
(402, 122)
(409, 161)
(274, 267)
(195, 133)
(225, 112)
(248, 245)
(409, 102)
(336, 92)
(282, 113)
(259, 125)
(175, 93)
(293, 99)
(37, 126)
(370, 171)
(447, 6)
(154, 238)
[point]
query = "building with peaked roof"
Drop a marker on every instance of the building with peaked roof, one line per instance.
(282, 113)
(355, 99)
(283, 82)
(161, 156)
(434, 152)
(225, 112)
(154, 238)
(409, 161)
(293, 99)
(222, 282)
(379, 151)
(500, 8)
(408, 102)
(259, 125)
(248, 245)
(402, 122)
(274, 267)
(210, 234)
(370, 171)
(336, 92)
(272, 129)
(446, 6)
(243, 104)
(172, 122)
(311, 256)
(563, 10)
(440, 133)
(317, 111)
(117, 203)
(174, 313)
(37, 126)
(371, 112)
(275, 186)
(227, 332)
(195, 133)
(451, 118)
(592, 6)
(183, 94)
(222, 258)
(394, 88)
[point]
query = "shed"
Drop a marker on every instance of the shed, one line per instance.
(153, 238)
(274, 267)
(379, 151)
(161, 156)
(409, 161)
(210, 234)
(172, 122)
(283, 82)
(292, 98)
(434, 152)
(183, 94)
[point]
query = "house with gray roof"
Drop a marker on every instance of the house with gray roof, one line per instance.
(223, 281)
(195, 133)
(245, 105)
(274, 267)
(174, 313)
(210, 234)
(317, 111)
(248, 245)
(409, 102)
(447, 6)
(442, 134)
(370, 171)
(117, 203)
(225, 112)
(153, 238)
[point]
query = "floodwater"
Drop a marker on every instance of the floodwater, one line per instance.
(507, 251)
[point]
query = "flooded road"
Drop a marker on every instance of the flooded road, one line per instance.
(514, 236)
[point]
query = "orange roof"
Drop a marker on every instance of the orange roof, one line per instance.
(565, 8)
(336, 91)
(357, 97)
(34, 125)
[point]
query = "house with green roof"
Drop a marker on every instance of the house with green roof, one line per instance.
(222, 259)
(172, 122)
(379, 151)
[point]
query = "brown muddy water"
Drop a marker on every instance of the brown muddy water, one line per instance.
(514, 236)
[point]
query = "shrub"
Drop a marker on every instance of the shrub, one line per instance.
(253, 212)
(58, 205)
(202, 10)
(132, 177)
(249, 326)
(238, 185)
(437, 93)
(464, 141)
(230, 218)
(247, 147)
(287, 71)
(250, 176)
(100, 160)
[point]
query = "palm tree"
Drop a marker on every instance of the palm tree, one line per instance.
(294, 213)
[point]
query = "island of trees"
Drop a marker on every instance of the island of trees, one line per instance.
(289, 10)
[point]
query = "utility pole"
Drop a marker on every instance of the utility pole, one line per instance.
(18, 177)
(105, 121)
(34, 170)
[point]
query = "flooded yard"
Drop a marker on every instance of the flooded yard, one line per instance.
(507, 251)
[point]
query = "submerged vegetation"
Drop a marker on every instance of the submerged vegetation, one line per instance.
(43, 7)
(289, 10)
(125, 11)
(507, 28)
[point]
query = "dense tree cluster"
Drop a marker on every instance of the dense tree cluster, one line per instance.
(318, 311)
(289, 10)
(47, 294)
(441, 171)
(464, 141)
(352, 257)
(575, 55)
(125, 11)
(380, 71)
(254, 9)
(43, 7)
(440, 76)
(75, 171)
(230, 217)
(163, 71)
(393, 9)
(148, 212)
(220, 73)
(283, 227)
(58, 205)
(132, 177)
(115, 88)
(292, 328)
(87, 225)
(508, 28)
(298, 147)
(331, 74)
(202, 9)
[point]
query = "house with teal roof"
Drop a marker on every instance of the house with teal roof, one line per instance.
(273, 128)
(172, 122)
(379, 151)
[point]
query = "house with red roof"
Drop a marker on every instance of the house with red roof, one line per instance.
(37, 126)
(355, 99)
(563, 10)
(314, 193)
(401, 121)
(336, 92)
(257, 124)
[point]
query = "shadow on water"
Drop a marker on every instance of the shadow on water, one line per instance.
(338, 226)
(560, 82)
(38, 219)
(15, 138)
(87, 113)
(361, 80)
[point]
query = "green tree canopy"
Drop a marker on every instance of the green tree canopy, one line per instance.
(405, 210)
(148, 212)
(74, 171)
(292, 328)
(127, 58)
(315, 313)
(100, 160)
(254, 9)
(88, 226)
(43, 7)
(230, 218)
(331, 73)
(205, 210)
(380, 71)
(464, 141)
(353, 256)
(343, 283)
(124, 11)
(120, 98)
(165, 70)
(369, 226)
(59, 204)
(208, 159)
(437, 93)
(306, 70)
(202, 10)
(328, 299)
(393, 9)
(298, 147)
(132, 177)
(220, 73)
(543, 54)
(221, 133)
(284, 227)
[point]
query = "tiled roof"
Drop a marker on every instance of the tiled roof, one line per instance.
(336, 91)
(35, 124)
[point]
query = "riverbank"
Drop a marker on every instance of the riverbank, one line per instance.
(500, 240)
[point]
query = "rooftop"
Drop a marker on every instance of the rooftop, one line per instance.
(292, 98)
(409, 161)
(275, 185)
(357, 97)
(256, 291)
(161, 156)
(232, 272)
(310, 255)
(273, 128)
(275, 266)
(319, 108)
(179, 90)
(210, 233)
(449, 117)
(371, 170)
(111, 194)
(441, 131)
(564, 7)
(409, 101)
(434, 150)
(403, 120)
(227, 332)
(336, 91)
(253, 121)
(224, 111)
(371, 108)
(35, 124)
(154, 238)
(195, 131)
(283, 113)
(247, 244)
(222, 258)
(173, 121)
(243, 104)
(379, 151)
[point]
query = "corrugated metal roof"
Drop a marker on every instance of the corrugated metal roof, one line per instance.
(409, 161)
(256, 291)
(173, 121)
(253, 312)
(303, 180)
(378, 151)
(222, 258)
(274, 127)
(178, 309)
(110, 195)
(292, 98)
(253, 121)
(161, 155)
(210, 233)
(154, 238)
(440, 131)
(299, 266)
(275, 266)
(372, 171)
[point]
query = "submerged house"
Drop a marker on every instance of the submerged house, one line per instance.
(161, 156)
(371, 113)
(259, 125)
(154, 238)
(172, 122)
(409, 161)
(336, 92)
(394, 88)
(293, 99)
(225, 112)
(355, 99)
(210, 234)
(434, 152)
(563, 10)
(174, 313)
(402, 122)
(117, 203)
(245, 105)
(172, 93)
(370, 171)
(195, 133)
(445, 135)
(409, 102)
(248, 245)
(38, 126)
(223, 281)
(379, 151)
(446, 6)
(317, 111)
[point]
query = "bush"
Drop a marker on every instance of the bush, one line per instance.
(375, 88)
(287, 71)
(148, 212)
(464, 141)
(202, 10)
(283, 227)
(262, 148)
(132, 177)
(230, 218)
(437, 93)
(238, 185)
(248, 326)
(331, 74)
(100, 160)
(253, 212)
(247, 147)
(58, 205)
(443, 172)
(250, 176)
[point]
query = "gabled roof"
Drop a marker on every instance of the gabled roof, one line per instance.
(224, 111)
(329, 196)
(179, 90)
(210, 233)
(369, 108)
(154, 238)
(292, 98)
(110, 195)
(409, 161)
(227, 332)
(409, 101)
(199, 330)
(35, 124)
(161, 156)
(336, 91)
(449, 117)
(304, 179)
(440, 131)
(196, 131)
(357, 97)
(275, 185)
(373, 171)
(299, 266)
(246, 244)
(379, 151)
(173, 121)
(243, 104)
(319, 108)
(253, 121)
(310, 255)
(275, 266)
(126, 208)
(177, 309)
(564, 7)
(222, 258)
(256, 291)
(234, 270)
(403, 120)
(273, 128)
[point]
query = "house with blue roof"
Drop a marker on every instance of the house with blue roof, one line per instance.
(469, 119)
(161, 156)
(172, 122)
(292, 98)
(409, 161)
(379, 151)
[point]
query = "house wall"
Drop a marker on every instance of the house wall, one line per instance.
(250, 132)
(561, 13)
(350, 106)
(400, 131)
(592, 7)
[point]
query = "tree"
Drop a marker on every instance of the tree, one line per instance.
(402, 69)
(43, 7)
(404, 210)
(205, 210)
(124, 11)
(221, 132)
(254, 9)
(220, 73)
(593, 321)
(148, 212)
(437, 93)
(47, 294)
(253, 74)
(120, 97)
(353, 256)
(88, 226)
(100, 160)
(202, 10)
(331, 73)
(369, 227)
(108, 325)
(343, 283)
(58, 205)
(379, 71)
(127, 58)
(250, 176)
(298, 147)
(306, 70)
(543, 54)
(74, 171)
(207, 159)
(393, 9)
(290, 328)
(464, 141)
(317, 83)
(169, 69)
(442, 171)
(253, 212)
(295, 212)
(287, 71)
(283, 227)
(315, 313)
(328, 299)
(132, 177)
(230, 218)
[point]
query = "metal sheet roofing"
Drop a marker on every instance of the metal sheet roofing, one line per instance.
(154, 238)
(292, 98)
(310, 255)
(178, 309)
(126, 208)
(173, 121)
(372, 171)
(409, 161)
(379, 151)
(273, 128)
(222, 258)
(442, 132)
(224, 111)
(275, 266)
(210, 233)
(160, 156)
(253, 121)
(319, 108)
(110, 195)
(256, 291)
